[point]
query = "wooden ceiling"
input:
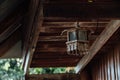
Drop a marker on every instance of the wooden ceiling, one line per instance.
(59, 15)
(51, 48)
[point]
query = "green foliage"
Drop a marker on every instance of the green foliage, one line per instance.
(10, 69)
(50, 70)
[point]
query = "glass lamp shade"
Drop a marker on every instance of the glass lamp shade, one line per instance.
(72, 36)
(82, 35)
(79, 35)
(77, 43)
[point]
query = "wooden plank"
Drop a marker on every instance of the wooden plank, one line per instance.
(50, 46)
(53, 55)
(54, 62)
(63, 49)
(72, 19)
(52, 38)
(54, 29)
(11, 19)
(37, 20)
(49, 34)
(111, 28)
(63, 76)
(47, 45)
(73, 24)
(61, 39)
(8, 32)
(67, 59)
(84, 25)
(10, 25)
(65, 64)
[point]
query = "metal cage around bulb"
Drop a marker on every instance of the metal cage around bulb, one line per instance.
(77, 42)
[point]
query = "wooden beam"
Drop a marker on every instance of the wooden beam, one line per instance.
(36, 19)
(10, 24)
(49, 44)
(57, 39)
(53, 29)
(52, 38)
(12, 19)
(54, 62)
(64, 59)
(62, 64)
(111, 28)
(46, 45)
(58, 76)
(54, 55)
(8, 32)
(73, 19)
(86, 25)
(63, 49)
(73, 23)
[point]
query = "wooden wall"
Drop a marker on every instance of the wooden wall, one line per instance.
(107, 67)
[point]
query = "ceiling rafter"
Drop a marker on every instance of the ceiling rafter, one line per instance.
(36, 19)
(111, 28)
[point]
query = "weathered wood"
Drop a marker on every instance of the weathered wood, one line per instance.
(54, 29)
(28, 29)
(66, 25)
(51, 55)
(108, 68)
(10, 24)
(53, 77)
(11, 19)
(74, 19)
(37, 18)
(61, 64)
(86, 24)
(68, 62)
(50, 49)
(74, 22)
(52, 38)
(98, 44)
(8, 32)
(51, 44)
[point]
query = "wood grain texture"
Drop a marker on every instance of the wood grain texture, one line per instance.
(108, 65)
(98, 44)
(36, 18)
(53, 77)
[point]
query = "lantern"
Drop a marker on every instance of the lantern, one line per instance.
(77, 42)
